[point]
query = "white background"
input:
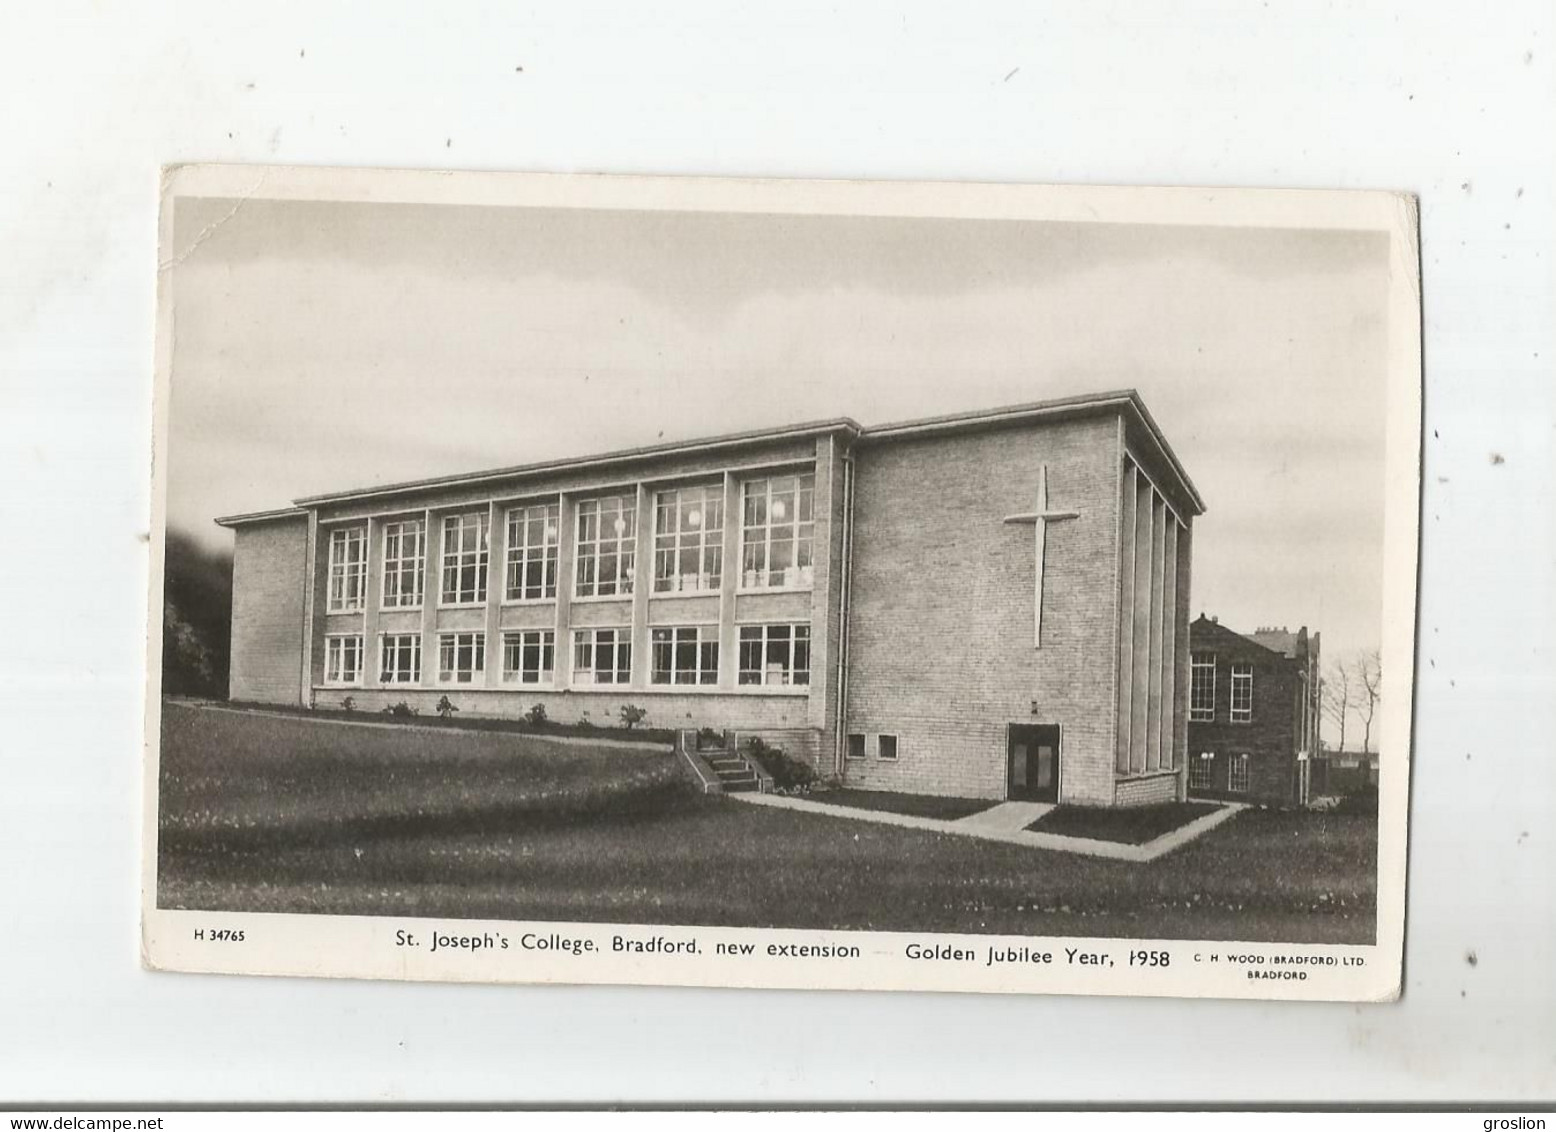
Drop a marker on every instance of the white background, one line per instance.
(1455, 102)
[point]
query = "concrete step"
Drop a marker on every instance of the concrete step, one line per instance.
(743, 787)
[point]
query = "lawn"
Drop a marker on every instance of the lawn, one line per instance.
(267, 814)
(1133, 826)
(915, 805)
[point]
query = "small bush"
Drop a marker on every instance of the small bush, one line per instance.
(446, 708)
(536, 716)
(790, 775)
(632, 715)
(1364, 801)
(708, 737)
(401, 710)
(349, 704)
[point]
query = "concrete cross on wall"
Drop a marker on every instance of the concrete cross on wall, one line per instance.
(1040, 519)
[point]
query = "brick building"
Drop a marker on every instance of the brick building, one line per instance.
(1254, 712)
(991, 605)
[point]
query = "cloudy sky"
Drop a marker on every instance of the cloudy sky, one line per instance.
(321, 346)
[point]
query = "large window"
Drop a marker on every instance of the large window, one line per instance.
(1202, 687)
(348, 569)
(777, 532)
(607, 546)
(529, 657)
(465, 547)
(532, 543)
(775, 654)
(687, 655)
(689, 539)
(1202, 770)
(461, 657)
(1242, 693)
(399, 658)
(405, 564)
(602, 656)
(1237, 774)
(343, 659)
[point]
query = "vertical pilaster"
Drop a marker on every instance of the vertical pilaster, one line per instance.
(566, 540)
(824, 510)
(1126, 620)
(1169, 665)
(1141, 646)
(432, 591)
(310, 610)
(729, 578)
(496, 584)
(373, 586)
(1153, 728)
(642, 588)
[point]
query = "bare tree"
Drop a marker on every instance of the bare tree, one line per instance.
(1369, 689)
(1337, 691)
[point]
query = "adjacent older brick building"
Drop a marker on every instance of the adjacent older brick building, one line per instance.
(1254, 713)
(991, 605)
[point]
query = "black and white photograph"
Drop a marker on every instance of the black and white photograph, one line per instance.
(961, 587)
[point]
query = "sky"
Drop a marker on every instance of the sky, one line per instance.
(322, 346)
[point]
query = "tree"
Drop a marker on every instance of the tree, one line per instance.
(1369, 689)
(1336, 691)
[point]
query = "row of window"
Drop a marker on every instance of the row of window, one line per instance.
(885, 747)
(777, 548)
(770, 655)
(1202, 690)
(1202, 773)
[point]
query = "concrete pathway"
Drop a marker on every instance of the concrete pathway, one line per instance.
(1007, 817)
(1019, 835)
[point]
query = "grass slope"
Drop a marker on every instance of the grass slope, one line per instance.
(368, 821)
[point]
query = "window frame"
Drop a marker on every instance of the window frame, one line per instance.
(334, 649)
(704, 642)
(1206, 759)
(515, 639)
(880, 747)
(1199, 714)
(481, 562)
(848, 746)
(621, 649)
(708, 544)
(1241, 672)
(801, 539)
(343, 571)
(520, 553)
(763, 642)
(396, 566)
(414, 652)
(1237, 767)
(477, 646)
(624, 543)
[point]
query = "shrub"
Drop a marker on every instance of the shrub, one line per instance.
(401, 710)
(536, 716)
(446, 708)
(1363, 801)
(632, 715)
(789, 774)
(709, 737)
(349, 704)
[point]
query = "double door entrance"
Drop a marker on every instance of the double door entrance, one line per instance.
(1032, 763)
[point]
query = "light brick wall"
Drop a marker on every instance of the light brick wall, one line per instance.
(268, 582)
(940, 622)
(1147, 791)
(744, 712)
